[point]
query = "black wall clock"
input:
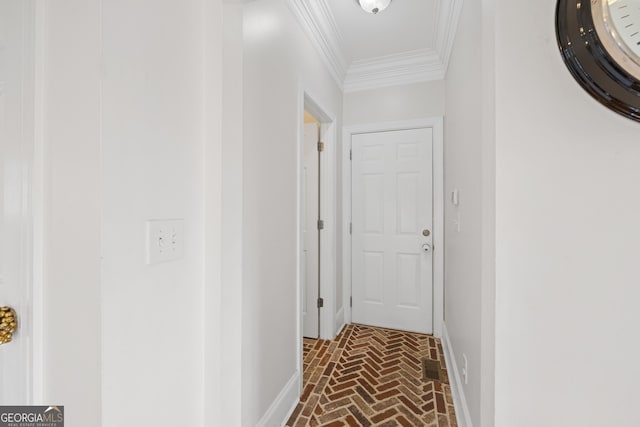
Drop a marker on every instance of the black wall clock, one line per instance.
(600, 43)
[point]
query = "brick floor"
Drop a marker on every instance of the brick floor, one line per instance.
(373, 377)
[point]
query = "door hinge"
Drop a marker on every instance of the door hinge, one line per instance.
(350, 154)
(350, 301)
(350, 228)
(320, 146)
(320, 302)
(320, 224)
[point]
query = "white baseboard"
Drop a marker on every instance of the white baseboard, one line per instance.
(284, 405)
(459, 401)
(339, 322)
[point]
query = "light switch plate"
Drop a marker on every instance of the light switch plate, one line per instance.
(165, 240)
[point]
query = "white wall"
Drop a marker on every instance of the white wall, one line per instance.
(465, 170)
(395, 103)
(132, 129)
(154, 138)
(230, 313)
(71, 143)
(278, 59)
(567, 230)
(488, 294)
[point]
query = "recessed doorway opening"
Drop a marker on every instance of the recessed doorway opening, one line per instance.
(311, 226)
(393, 258)
(317, 219)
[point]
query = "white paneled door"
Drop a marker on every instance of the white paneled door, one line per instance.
(15, 171)
(310, 235)
(392, 215)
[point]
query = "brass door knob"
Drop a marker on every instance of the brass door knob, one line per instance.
(8, 324)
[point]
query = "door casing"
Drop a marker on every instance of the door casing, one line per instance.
(436, 124)
(30, 312)
(310, 209)
(328, 130)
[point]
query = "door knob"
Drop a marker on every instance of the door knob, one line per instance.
(426, 248)
(8, 324)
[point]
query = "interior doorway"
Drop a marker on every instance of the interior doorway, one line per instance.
(311, 226)
(317, 219)
(320, 308)
(421, 265)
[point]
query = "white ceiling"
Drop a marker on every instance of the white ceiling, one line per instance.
(406, 25)
(409, 42)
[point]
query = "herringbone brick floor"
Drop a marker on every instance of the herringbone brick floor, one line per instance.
(373, 377)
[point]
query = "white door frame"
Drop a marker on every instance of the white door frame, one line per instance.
(310, 211)
(436, 124)
(328, 182)
(39, 191)
(31, 322)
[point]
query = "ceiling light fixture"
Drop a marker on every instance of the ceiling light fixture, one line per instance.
(374, 6)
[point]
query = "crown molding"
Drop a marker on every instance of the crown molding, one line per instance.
(393, 70)
(317, 21)
(446, 29)
(414, 66)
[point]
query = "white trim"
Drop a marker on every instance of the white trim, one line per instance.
(404, 68)
(346, 223)
(32, 188)
(438, 226)
(224, 184)
(446, 29)
(39, 203)
(457, 392)
(412, 66)
(339, 322)
(284, 405)
(328, 250)
(435, 123)
(317, 22)
(339, 330)
(299, 231)
(328, 181)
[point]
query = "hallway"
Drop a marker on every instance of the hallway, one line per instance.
(157, 198)
(373, 377)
